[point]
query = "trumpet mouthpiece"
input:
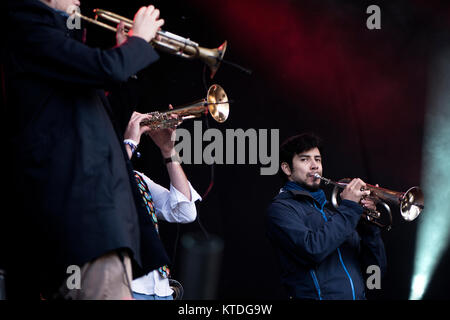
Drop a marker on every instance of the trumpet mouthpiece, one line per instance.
(317, 176)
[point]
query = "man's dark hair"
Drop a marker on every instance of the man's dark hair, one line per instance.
(296, 145)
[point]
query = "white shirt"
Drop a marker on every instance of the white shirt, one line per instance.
(171, 206)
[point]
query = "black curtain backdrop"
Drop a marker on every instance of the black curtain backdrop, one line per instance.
(315, 67)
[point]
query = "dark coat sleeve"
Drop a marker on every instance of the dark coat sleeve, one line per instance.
(372, 247)
(41, 47)
(287, 228)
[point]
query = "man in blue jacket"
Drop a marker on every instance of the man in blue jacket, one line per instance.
(323, 251)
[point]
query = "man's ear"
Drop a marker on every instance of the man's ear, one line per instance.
(286, 169)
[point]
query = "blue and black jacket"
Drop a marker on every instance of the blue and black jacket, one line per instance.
(322, 255)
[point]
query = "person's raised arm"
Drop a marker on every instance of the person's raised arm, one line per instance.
(164, 139)
(39, 46)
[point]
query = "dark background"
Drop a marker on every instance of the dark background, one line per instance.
(315, 67)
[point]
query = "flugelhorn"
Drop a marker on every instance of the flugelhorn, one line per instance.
(216, 103)
(411, 202)
(164, 40)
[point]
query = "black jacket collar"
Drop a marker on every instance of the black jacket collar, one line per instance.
(296, 194)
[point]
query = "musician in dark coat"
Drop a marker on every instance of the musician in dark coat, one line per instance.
(75, 199)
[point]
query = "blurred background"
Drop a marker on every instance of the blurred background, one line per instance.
(378, 98)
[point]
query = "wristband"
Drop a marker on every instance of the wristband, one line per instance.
(174, 158)
(133, 145)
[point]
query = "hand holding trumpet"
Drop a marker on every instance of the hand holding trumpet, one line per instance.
(410, 202)
(146, 25)
(163, 138)
(355, 191)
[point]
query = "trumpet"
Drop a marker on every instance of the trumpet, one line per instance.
(216, 103)
(164, 40)
(411, 202)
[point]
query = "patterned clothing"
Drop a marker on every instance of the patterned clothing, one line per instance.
(171, 206)
(145, 192)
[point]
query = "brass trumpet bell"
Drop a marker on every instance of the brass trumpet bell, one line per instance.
(411, 203)
(216, 103)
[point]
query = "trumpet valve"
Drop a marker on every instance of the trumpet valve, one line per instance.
(160, 120)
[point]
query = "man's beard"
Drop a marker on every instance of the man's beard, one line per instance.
(313, 188)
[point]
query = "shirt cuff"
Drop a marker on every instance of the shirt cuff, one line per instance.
(176, 197)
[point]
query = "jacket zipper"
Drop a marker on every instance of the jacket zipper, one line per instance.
(340, 256)
(316, 283)
(348, 274)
